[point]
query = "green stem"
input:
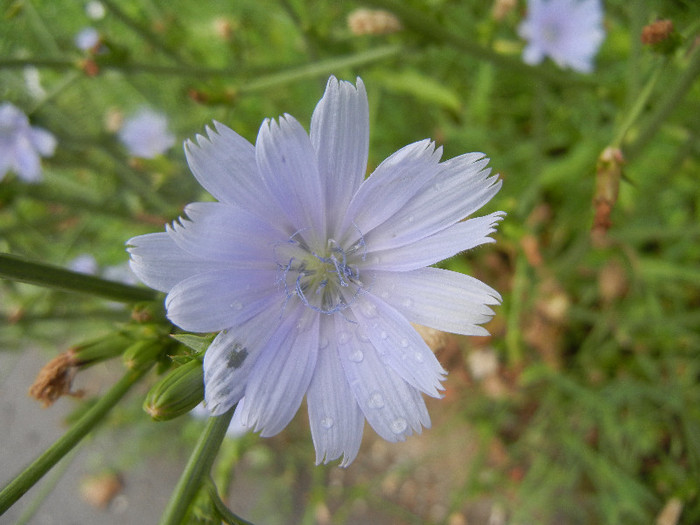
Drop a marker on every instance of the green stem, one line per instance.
(197, 469)
(272, 80)
(224, 512)
(141, 30)
(47, 487)
(665, 107)
(637, 108)
(19, 269)
(322, 67)
(34, 472)
(420, 23)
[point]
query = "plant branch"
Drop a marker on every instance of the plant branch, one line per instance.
(17, 268)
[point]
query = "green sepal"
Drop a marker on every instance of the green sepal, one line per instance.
(198, 343)
(177, 393)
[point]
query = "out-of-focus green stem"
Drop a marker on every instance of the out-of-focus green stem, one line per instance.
(665, 107)
(419, 23)
(19, 269)
(140, 29)
(262, 82)
(513, 333)
(34, 472)
(637, 108)
(197, 469)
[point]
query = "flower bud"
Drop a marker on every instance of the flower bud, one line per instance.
(96, 351)
(177, 393)
(143, 354)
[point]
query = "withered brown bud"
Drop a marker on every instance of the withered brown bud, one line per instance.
(657, 32)
(55, 379)
(373, 22)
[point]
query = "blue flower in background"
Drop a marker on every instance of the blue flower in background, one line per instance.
(568, 31)
(313, 275)
(22, 145)
(146, 134)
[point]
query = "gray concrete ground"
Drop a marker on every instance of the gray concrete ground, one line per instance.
(27, 429)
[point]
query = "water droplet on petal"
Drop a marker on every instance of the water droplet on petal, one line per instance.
(437, 186)
(356, 356)
(237, 305)
(384, 295)
(408, 302)
(398, 425)
(369, 310)
(404, 343)
(323, 343)
(362, 335)
(376, 400)
(343, 338)
(410, 219)
(327, 422)
(418, 356)
(383, 335)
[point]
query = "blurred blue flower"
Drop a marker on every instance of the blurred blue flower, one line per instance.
(313, 275)
(22, 145)
(87, 38)
(146, 134)
(84, 263)
(568, 31)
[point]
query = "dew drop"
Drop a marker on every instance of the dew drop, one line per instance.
(384, 294)
(408, 302)
(356, 356)
(323, 343)
(343, 338)
(398, 425)
(376, 400)
(327, 422)
(410, 219)
(369, 310)
(362, 335)
(404, 343)
(418, 357)
(237, 306)
(437, 186)
(383, 335)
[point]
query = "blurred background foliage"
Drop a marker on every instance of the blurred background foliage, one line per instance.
(584, 405)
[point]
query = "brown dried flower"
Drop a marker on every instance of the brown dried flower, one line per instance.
(373, 22)
(55, 379)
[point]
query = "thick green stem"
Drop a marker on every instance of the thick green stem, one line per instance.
(34, 472)
(19, 269)
(196, 470)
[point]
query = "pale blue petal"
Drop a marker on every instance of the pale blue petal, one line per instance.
(224, 164)
(282, 373)
(390, 187)
(460, 188)
(441, 299)
(335, 418)
(457, 238)
(392, 407)
(398, 344)
(27, 161)
(220, 299)
(43, 141)
(226, 233)
(340, 136)
(159, 263)
(287, 163)
(230, 358)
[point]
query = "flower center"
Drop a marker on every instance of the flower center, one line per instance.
(326, 281)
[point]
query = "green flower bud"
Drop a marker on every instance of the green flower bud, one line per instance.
(93, 352)
(144, 353)
(178, 392)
